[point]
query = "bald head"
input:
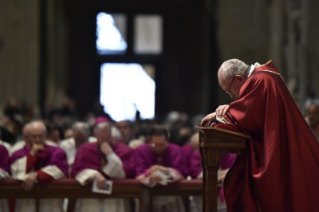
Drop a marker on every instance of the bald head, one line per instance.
(37, 132)
(313, 115)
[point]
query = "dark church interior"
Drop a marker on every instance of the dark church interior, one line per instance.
(78, 67)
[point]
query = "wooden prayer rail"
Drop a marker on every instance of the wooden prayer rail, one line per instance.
(184, 188)
(213, 144)
(70, 188)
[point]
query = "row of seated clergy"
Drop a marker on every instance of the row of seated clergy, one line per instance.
(156, 162)
(40, 162)
(37, 161)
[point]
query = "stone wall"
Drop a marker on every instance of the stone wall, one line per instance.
(285, 31)
(19, 55)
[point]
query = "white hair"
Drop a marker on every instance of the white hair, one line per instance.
(116, 133)
(234, 67)
(103, 125)
(81, 127)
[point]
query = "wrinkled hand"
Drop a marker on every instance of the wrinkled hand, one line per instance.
(36, 148)
(153, 169)
(100, 180)
(29, 181)
(106, 148)
(222, 110)
(154, 178)
(222, 174)
(208, 119)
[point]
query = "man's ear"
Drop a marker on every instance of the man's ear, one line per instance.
(240, 78)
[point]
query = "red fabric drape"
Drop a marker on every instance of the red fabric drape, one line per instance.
(279, 169)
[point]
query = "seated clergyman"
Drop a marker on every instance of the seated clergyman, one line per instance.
(160, 162)
(100, 161)
(80, 135)
(38, 162)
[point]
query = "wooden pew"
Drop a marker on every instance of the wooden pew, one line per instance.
(70, 188)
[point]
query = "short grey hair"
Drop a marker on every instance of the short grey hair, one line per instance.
(81, 127)
(103, 125)
(116, 133)
(234, 67)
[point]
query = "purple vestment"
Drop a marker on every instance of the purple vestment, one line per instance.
(187, 151)
(52, 155)
(225, 163)
(172, 158)
(89, 156)
(4, 159)
(195, 165)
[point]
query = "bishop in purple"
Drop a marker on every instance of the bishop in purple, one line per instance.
(100, 161)
(38, 162)
(160, 162)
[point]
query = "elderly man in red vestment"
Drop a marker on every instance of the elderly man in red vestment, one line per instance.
(279, 169)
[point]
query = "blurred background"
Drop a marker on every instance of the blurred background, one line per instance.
(138, 59)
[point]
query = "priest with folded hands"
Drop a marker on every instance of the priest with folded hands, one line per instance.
(160, 162)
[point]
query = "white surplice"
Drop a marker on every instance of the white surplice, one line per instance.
(19, 172)
(69, 147)
(114, 169)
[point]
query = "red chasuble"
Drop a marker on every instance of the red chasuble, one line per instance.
(279, 169)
